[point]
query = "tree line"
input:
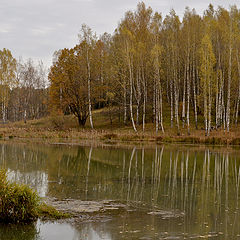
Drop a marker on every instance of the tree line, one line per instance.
(151, 69)
(151, 64)
(23, 92)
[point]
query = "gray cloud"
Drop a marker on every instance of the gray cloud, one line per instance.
(36, 28)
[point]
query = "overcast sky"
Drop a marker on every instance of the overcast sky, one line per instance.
(36, 28)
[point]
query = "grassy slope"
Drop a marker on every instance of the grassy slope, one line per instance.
(66, 127)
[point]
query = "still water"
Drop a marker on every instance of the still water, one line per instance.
(173, 191)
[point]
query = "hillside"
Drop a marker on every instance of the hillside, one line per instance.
(65, 129)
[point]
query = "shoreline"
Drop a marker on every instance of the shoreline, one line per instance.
(116, 137)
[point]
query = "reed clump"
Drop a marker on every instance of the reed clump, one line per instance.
(18, 202)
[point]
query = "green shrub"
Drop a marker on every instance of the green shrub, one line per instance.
(18, 203)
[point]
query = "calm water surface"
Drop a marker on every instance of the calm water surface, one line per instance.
(174, 192)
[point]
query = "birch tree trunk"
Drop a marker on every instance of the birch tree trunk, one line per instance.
(229, 81)
(144, 99)
(131, 89)
(184, 95)
(3, 112)
(125, 104)
(89, 90)
(194, 94)
(205, 101)
(156, 107)
(238, 97)
(144, 106)
(161, 109)
(137, 94)
(171, 101)
(188, 95)
(209, 106)
(176, 100)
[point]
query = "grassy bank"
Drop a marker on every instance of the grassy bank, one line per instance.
(65, 129)
(19, 203)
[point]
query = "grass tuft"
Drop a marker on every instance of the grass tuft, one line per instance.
(48, 212)
(20, 203)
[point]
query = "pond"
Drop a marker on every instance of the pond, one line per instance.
(168, 191)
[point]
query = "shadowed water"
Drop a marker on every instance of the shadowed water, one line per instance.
(171, 192)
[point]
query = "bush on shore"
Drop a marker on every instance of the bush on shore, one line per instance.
(18, 203)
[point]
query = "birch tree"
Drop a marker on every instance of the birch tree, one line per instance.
(7, 79)
(207, 75)
(87, 40)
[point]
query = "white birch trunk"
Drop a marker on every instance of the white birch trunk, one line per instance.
(89, 91)
(184, 96)
(238, 98)
(194, 94)
(131, 90)
(209, 106)
(144, 99)
(188, 97)
(125, 104)
(229, 82)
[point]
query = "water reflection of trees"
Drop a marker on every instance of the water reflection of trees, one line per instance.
(19, 232)
(203, 184)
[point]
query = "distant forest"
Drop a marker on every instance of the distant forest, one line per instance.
(150, 69)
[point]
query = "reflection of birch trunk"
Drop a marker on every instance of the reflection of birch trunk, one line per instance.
(237, 178)
(207, 188)
(155, 166)
(215, 178)
(182, 172)
(169, 174)
(226, 191)
(136, 177)
(193, 184)
(203, 189)
(157, 174)
(3, 157)
(59, 167)
(142, 177)
(208, 170)
(123, 172)
(129, 173)
(88, 169)
(186, 182)
(174, 183)
(143, 164)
